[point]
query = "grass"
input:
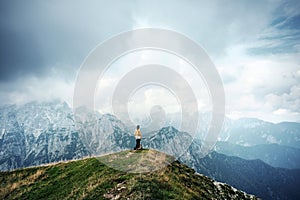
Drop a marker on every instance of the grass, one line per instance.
(92, 179)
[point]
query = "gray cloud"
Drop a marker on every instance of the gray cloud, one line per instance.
(214, 24)
(35, 35)
(43, 43)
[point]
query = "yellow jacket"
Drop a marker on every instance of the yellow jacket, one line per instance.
(138, 134)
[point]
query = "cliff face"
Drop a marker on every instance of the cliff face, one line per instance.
(40, 133)
(12, 142)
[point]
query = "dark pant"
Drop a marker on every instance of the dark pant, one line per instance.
(138, 144)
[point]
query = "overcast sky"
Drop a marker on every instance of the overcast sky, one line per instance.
(255, 46)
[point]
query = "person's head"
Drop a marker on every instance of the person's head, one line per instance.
(138, 127)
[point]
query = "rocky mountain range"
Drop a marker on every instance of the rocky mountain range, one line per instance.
(273, 154)
(253, 175)
(39, 133)
(251, 131)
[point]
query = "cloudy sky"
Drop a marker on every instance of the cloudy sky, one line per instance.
(255, 46)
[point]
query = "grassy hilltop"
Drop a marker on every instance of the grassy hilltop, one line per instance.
(91, 179)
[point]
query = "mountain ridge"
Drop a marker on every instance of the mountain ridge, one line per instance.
(50, 134)
(253, 176)
(89, 179)
(273, 154)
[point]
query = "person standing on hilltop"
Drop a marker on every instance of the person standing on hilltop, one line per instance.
(138, 137)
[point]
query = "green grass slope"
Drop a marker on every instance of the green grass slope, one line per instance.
(91, 179)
